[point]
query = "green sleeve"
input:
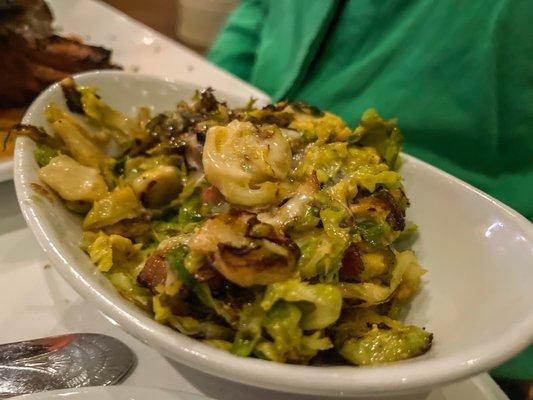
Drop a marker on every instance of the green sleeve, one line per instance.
(235, 48)
(518, 368)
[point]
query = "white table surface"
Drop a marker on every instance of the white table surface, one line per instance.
(35, 301)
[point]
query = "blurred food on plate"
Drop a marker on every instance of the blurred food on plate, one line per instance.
(34, 56)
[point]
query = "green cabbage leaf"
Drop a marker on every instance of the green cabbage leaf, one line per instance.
(370, 293)
(118, 205)
(288, 341)
(381, 134)
(320, 303)
(380, 346)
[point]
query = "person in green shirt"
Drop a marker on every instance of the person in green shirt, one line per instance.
(457, 74)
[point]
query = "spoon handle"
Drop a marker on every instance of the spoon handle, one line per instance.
(61, 362)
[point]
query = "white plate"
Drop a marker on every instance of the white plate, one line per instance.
(478, 388)
(113, 393)
(476, 299)
(35, 302)
(137, 48)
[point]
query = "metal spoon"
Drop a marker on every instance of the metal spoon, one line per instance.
(62, 362)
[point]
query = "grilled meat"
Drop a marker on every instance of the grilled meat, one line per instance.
(33, 57)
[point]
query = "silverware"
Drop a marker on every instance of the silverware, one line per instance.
(61, 362)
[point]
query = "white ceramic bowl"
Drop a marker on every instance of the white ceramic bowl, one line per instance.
(477, 296)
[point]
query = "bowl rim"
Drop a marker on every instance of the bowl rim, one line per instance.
(138, 391)
(415, 375)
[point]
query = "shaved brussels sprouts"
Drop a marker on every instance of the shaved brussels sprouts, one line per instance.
(118, 205)
(265, 232)
(320, 303)
(370, 293)
(289, 344)
(382, 135)
(386, 345)
(113, 250)
(249, 329)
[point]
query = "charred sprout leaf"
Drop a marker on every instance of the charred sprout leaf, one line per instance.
(169, 126)
(72, 95)
(208, 101)
(33, 132)
(269, 115)
(305, 108)
(37, 134)
(396, 216)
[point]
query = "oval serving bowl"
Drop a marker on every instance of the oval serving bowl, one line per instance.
(476, 297)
